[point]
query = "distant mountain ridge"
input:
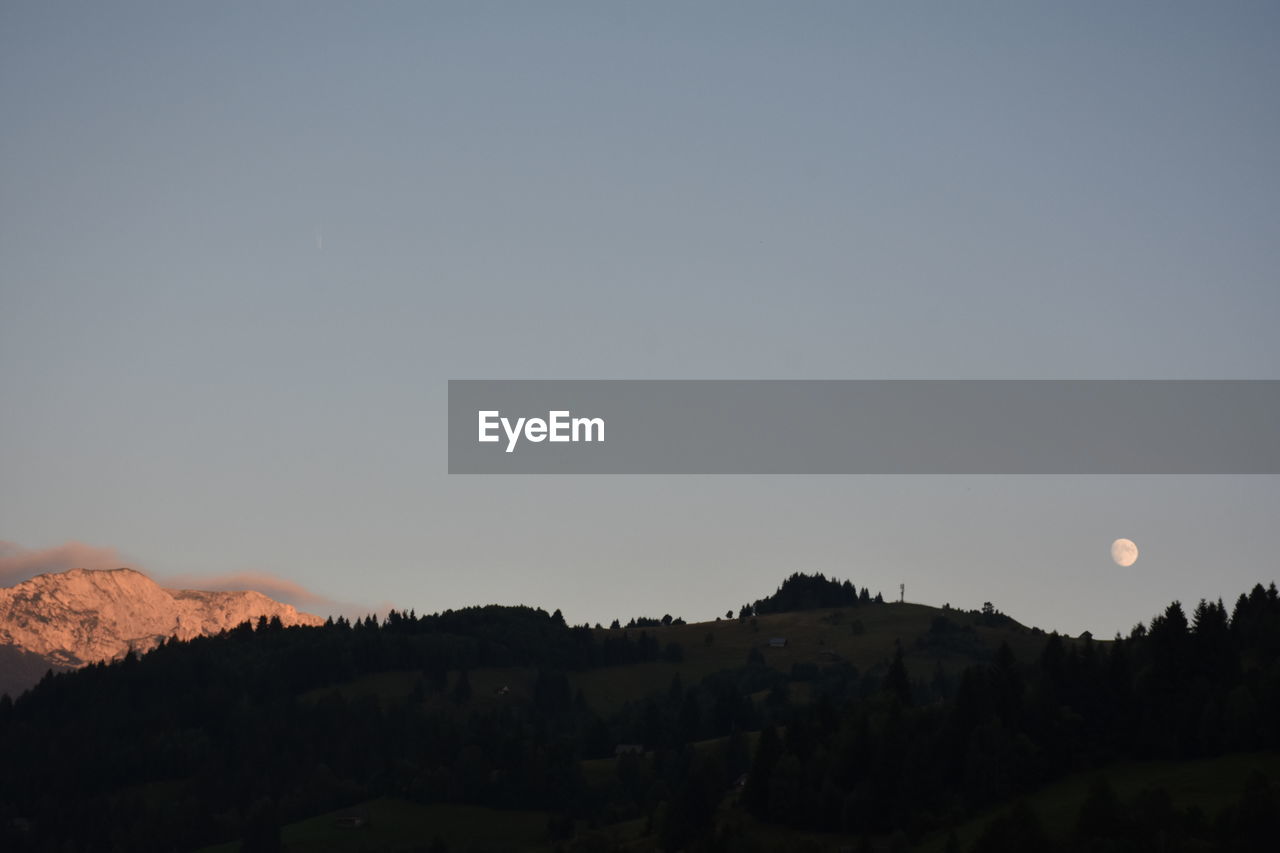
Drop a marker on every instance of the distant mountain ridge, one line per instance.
(77, 617)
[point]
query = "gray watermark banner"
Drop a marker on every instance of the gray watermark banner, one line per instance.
(864, 427)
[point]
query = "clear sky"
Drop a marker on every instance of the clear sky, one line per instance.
(244, 245)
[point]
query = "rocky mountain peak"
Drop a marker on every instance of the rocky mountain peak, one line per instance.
(82, 615)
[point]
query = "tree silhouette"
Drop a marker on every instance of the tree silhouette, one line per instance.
(896, 681)
(462, 689)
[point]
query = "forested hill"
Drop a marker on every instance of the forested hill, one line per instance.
(818, 713)
(809, 592)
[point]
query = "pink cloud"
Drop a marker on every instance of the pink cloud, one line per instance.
(281, 589)
(18, 563)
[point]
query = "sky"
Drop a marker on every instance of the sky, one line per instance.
(243, 247)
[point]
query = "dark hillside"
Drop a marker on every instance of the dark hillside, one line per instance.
(822, 722)
(19, 668)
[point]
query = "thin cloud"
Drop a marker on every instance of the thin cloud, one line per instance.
(281, 589)
(272, 586)
(18, 564)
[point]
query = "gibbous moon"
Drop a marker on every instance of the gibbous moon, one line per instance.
(1124, 552)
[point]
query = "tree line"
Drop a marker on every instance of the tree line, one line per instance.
(233, 735)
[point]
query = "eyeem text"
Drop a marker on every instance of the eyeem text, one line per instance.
(559, 425)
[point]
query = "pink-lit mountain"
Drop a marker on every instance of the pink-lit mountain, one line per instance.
(69, 619)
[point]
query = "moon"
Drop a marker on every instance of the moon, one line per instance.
(1124, 552)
